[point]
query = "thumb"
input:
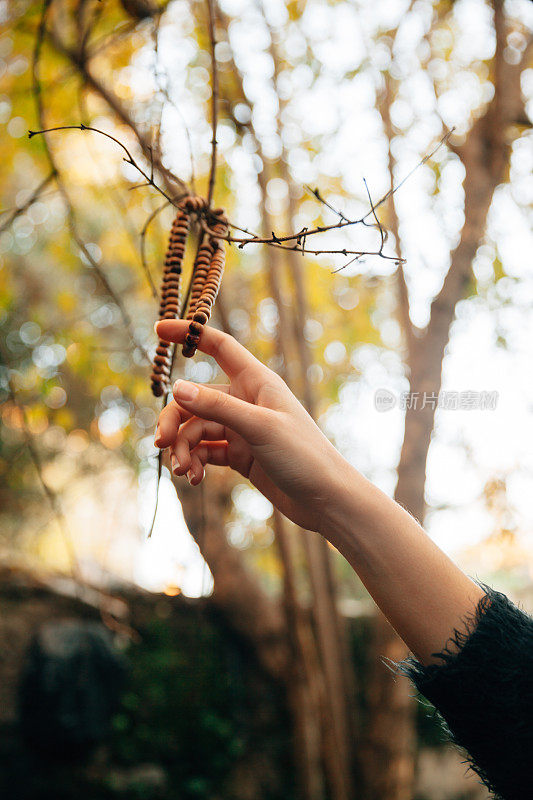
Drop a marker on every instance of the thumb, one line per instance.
(248, 420)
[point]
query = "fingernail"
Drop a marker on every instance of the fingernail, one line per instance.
(157, 437)
(184, 390)
(174, 463)
(155, 325)
(190, 476)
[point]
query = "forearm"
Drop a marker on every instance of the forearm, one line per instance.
(423, 594)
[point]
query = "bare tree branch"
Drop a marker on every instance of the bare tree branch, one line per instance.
(128, 159)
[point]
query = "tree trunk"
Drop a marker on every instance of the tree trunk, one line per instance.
(305, 688)
(389, 746)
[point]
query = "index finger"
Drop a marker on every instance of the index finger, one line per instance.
(231, 356)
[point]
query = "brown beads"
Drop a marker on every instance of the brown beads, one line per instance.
(171, 290)
(207, 276)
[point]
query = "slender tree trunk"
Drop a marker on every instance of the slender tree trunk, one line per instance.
(305, 687)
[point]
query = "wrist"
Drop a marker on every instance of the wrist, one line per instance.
(354, 508)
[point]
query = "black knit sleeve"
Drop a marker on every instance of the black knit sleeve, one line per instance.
(483, 691)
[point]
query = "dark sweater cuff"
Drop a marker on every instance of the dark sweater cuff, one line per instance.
(483, 691)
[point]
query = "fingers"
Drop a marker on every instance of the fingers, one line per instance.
(231, 356)
(196, 473)
(189, 436)
(170, 419)
(251, 422)
(207, 453)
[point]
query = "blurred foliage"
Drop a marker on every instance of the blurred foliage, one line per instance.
(81, 384)
(196, 706)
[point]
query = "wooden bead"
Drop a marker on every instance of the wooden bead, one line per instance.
(195, 328)
(161, 359)
(161, 369)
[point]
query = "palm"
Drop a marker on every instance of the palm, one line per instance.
(272, 468)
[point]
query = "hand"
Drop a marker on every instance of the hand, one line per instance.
(255, 425)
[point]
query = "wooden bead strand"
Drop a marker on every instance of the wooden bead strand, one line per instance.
(200, 270)
(207, 275)
(170, 294)
(205, 289)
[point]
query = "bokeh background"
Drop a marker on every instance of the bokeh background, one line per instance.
(242, 657)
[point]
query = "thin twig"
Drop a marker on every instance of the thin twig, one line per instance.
(382, 233)
(144, 260)
(344, 266)
(214, 100)
(316, 193)
(278, 241)
(128, 160)
(300, 246)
